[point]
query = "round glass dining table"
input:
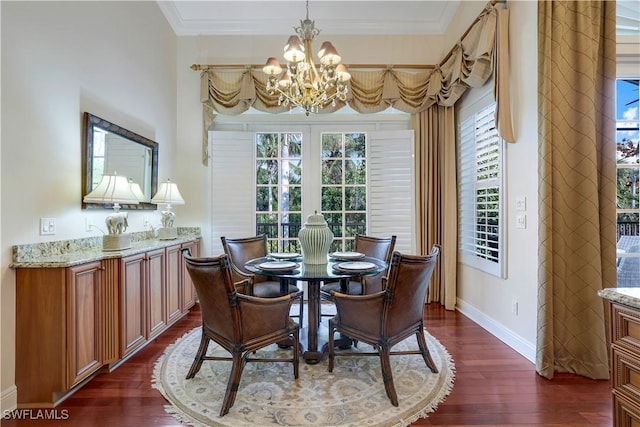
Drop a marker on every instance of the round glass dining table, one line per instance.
(314, 346)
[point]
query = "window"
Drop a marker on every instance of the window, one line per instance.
(628, 182)
(344, 186)
(279, 189)
(267, 178)
(99, 144)
(480, 220)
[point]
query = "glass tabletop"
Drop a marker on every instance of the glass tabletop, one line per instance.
(333, 269)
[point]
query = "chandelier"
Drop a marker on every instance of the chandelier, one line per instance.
(302, 84)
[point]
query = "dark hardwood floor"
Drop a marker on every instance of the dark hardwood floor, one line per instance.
(494, 386)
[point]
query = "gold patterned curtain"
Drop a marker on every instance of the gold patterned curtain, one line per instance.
(436, 197)
(430, 97)
(576, 84)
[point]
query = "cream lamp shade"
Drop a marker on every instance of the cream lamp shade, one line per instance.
(168, 194)
(135, 187)
(114, 189)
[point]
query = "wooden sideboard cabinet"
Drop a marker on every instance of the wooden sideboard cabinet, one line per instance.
(72, 322)
(625, 364)
(62, 317)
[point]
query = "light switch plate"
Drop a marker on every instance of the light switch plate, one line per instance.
(47, 226)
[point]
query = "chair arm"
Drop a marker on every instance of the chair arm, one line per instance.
(240, 276)
(243, 286)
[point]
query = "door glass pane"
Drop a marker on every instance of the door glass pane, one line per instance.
(279, 189)
(344, 191)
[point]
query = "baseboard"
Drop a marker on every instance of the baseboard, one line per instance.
(515, 341)
(9, 399)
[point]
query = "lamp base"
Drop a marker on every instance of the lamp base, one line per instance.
(116, 242)
(166, 233)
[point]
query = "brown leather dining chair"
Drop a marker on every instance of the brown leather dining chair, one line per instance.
(375, 247)
(242, 249)
(241, 324)
(387, 317)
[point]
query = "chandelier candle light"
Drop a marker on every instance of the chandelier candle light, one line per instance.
(302, 85)
(114, 189)
(169, 194)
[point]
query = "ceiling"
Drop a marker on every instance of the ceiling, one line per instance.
(345, 17)
(335, 17)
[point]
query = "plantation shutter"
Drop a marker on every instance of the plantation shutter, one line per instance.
(479, 192)
(391, 187)
(466, 184)
(232, 186)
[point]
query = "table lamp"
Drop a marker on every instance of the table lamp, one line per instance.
(169, 194)
(114, 189)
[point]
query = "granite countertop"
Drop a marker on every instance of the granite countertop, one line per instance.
(626, 296)
(68, 253)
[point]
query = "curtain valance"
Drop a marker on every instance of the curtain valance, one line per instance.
(482, 50)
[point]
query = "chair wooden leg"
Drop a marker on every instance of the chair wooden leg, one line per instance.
(422, 343)
(296, 353)
(197, 362)
(301, 310)
(232, 385)
(387, 375)
(331, 345)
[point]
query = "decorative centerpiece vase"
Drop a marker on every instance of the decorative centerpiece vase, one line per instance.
(315, 240)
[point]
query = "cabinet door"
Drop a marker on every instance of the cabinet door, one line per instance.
(132, 304)
(84, 324)
(174, 283)
(156, 295)
(188, 291)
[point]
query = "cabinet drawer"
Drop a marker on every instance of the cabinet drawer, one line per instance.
(625, 413)
(626, 328)
(626, 374)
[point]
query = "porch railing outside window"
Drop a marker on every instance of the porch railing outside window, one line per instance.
(271, 229)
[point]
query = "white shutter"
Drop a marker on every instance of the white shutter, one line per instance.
(391, 187)
(232, 186)
(466, 186)
(480, 217)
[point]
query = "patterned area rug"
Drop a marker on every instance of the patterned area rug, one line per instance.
(353, 395)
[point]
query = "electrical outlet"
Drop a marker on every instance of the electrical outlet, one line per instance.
(521, 221)
(47, 226)
(521, 203)
(88, 224)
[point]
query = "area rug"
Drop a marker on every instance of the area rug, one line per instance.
(353, 395)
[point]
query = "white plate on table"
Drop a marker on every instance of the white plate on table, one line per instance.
(356, 266)
(346, 256)
(284, 255)
(278, 266)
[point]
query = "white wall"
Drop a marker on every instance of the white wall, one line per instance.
(116, 60)
(487, 299)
